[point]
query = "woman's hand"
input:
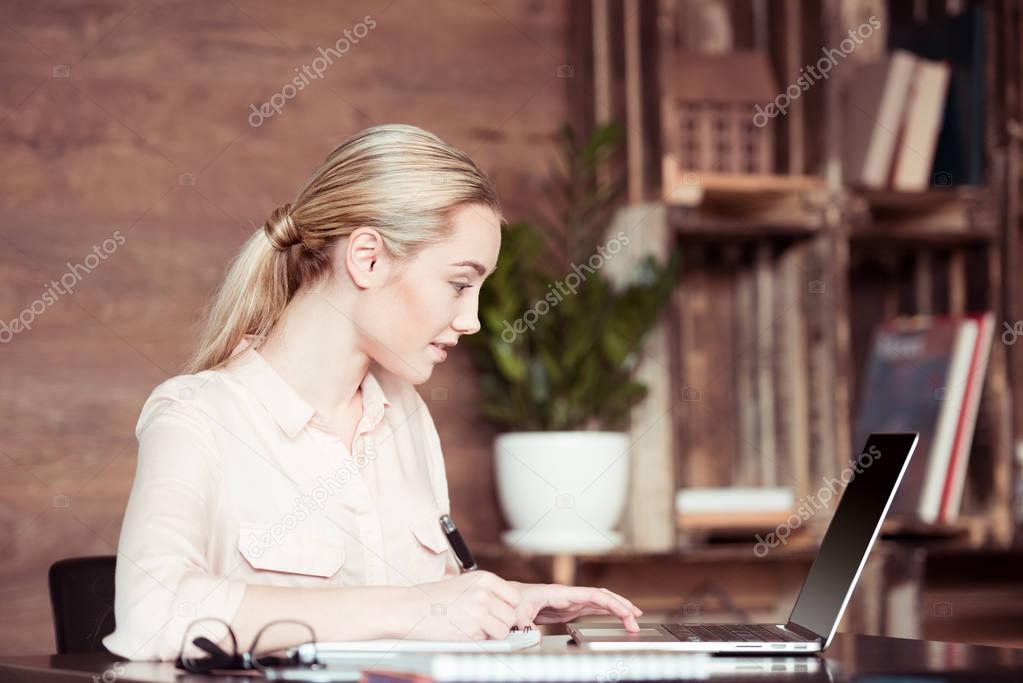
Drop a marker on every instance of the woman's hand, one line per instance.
(475, 605)
(552, 603)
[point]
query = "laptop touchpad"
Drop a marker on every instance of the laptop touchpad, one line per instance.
(617, 632)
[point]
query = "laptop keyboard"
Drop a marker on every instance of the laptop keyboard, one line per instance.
(718, 633)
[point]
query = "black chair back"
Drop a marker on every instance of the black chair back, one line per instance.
(82, 596)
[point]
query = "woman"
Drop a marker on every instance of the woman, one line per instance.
(296, 472)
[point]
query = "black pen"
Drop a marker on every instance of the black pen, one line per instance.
(447, 525)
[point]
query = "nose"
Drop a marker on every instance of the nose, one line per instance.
(467, 321)
(466, 324)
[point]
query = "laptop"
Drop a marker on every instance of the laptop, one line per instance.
(873, 479)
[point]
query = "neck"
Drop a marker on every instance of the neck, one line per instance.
(314, 347)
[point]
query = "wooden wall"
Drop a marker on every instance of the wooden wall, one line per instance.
(129, 121)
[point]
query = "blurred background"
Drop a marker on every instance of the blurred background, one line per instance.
(745, 234)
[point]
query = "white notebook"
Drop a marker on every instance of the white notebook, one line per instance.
(345, 650)
(537, 665)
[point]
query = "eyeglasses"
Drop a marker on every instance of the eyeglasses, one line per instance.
(200, 634)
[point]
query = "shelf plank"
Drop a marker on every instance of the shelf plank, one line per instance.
(918, 235)
(798, 548)
(690, 223)
(937, 216)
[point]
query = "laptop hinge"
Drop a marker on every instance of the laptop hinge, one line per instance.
(802, 632)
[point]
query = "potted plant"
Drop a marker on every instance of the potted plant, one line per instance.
(556, 354)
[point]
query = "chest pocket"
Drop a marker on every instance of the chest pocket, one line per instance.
(309, 551)
(431, 548)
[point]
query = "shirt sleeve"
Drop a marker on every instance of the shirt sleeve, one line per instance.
(163, 581)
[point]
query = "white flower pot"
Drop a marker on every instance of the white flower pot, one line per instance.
(562, 491)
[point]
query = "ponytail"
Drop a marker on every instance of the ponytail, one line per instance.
(249, 302)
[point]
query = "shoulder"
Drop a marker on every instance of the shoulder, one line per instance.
(187, 399)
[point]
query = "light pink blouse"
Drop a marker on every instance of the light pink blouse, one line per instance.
(240, 481)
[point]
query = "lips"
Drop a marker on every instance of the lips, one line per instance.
(439, 352)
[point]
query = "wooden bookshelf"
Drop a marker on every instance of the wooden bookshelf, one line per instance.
(785, 275)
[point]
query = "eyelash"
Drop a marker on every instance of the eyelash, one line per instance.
(460, 286)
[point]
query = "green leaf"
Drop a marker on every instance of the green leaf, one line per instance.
(572, 366)
(511, 366)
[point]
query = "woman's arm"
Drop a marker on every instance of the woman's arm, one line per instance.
(355, 613)
(163, 581)
(473, 606)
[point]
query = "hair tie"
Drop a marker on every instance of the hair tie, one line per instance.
(281, 230)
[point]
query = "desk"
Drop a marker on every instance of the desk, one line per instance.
(849, 658)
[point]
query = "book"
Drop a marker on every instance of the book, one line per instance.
(951, 396)
(955, 481)
(874, 104)
(735, 499)
(917, 379)
(959, 40)
(733, 508)
(921, 122)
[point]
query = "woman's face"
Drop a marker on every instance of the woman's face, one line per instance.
(423, 305)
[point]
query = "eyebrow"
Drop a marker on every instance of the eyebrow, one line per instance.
(475, 265)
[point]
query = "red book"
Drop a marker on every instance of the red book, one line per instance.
(955, 479)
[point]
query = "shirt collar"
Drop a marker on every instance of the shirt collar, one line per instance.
(292, 412)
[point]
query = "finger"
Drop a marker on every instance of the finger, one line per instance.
(618, 604)
(624, 599)
(506, 592)
(503, 613)
(494, 628)
(616, 607)
(637, 611)
(585, 601)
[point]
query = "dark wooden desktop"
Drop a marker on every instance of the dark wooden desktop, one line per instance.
(850, 658)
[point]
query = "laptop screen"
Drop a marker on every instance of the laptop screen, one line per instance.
(872, 479)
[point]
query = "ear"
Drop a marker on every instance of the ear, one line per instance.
(366, 258)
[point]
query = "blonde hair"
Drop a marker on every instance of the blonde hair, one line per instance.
(399, 179)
